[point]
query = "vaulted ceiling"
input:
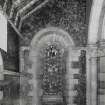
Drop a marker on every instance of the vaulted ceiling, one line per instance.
(18, 10)
(29, 16)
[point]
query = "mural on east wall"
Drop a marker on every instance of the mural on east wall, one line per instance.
(11, 57)
(69, 15)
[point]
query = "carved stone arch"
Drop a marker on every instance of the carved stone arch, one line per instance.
(103, 28)
(95, 34)
(96, 20)
(44, 32)
(48, 37)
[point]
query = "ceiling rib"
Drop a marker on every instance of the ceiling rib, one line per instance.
(30, 13)
(17, 31)
(35, 9)
(12, 9)
(19, 10)
(5, 5)
(15, 4)
(24, 9)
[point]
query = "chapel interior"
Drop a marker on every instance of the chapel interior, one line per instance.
(55, 52)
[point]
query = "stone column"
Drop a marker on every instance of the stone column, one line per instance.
(91, 76)
(26, 77)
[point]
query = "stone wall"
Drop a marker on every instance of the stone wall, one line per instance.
(11, 88)
(76, 79)
(69, 15)
(11, 57)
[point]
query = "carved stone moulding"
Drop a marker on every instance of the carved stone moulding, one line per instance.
(49, 54)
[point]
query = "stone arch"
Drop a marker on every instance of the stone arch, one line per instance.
(95, 34)
(103, 29)
(96, 20)
(47, 37)
(43, 32)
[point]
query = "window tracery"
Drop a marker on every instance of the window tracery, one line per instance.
(53, 73)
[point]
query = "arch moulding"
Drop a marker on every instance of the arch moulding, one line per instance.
(41, 39)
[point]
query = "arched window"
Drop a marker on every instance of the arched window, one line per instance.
(49, 53)
(53, 67)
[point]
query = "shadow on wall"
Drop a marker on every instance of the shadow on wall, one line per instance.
(11, 57)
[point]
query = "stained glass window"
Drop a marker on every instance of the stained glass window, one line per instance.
(53, 74)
